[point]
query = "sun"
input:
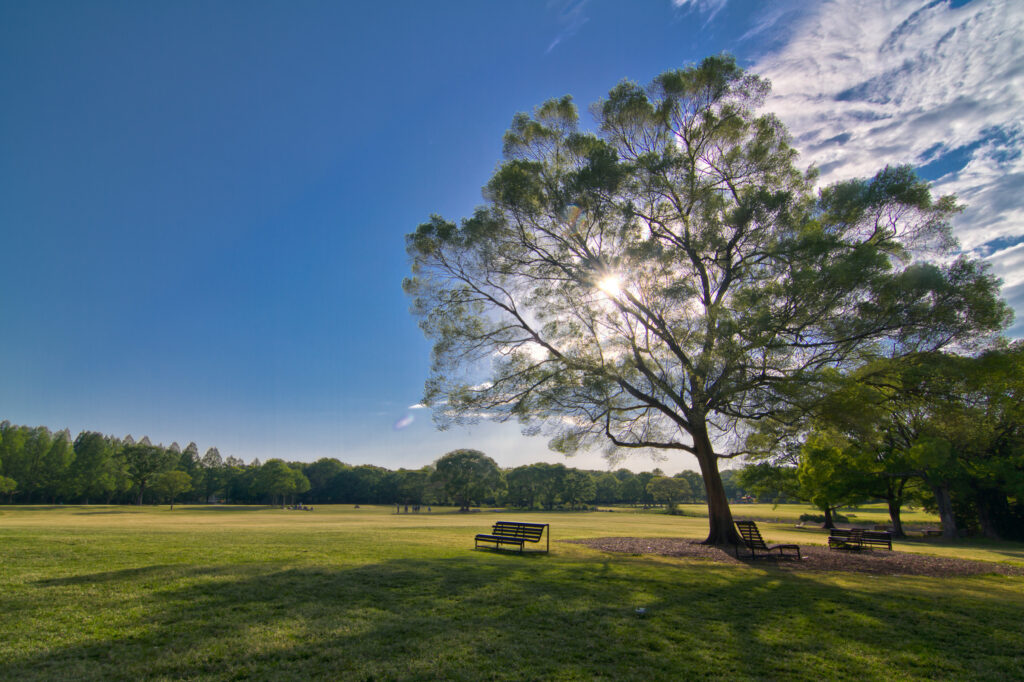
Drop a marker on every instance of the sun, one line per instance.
(611, 285)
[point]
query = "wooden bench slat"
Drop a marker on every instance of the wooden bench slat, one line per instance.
(859, 538)
(751, 537)
(514, 533)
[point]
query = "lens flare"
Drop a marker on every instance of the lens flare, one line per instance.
(403, 422)
(611, 285)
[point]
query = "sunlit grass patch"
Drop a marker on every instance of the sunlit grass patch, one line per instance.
(353, 594)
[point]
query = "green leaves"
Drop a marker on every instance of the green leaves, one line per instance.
(467, 475)
(670, 277)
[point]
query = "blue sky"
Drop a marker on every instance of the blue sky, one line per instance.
(203, 205)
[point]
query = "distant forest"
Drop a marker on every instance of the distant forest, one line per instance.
(41, 466)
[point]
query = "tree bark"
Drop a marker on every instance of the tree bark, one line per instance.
(991, 505)
(949, 530)
(830, 521)
(895, 502)
(721, 529)
(894, 516)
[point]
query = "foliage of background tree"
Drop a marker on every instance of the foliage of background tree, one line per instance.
(669, 491)
(98, 470)
(276, 479)
(467, 476)
(971, 437)
(143, 462)
(214, 472)
(577, 488)
(670, 279)
(170, 484)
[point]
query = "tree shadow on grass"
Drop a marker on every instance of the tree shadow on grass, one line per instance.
(510, 617)
(164, 572)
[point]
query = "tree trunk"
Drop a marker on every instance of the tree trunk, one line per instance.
(721, 529)
(894, 516)
(830, 522)
(895, 502)
(941, 493)
(992, 506)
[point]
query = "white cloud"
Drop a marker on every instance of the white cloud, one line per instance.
(708, 7)
(1011, 262)
(570, 18)
(862, 84)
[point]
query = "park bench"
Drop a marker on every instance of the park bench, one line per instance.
(859, 538)
(753, 541)
(514, 533)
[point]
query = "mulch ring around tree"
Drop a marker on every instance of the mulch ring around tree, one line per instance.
(815, 558)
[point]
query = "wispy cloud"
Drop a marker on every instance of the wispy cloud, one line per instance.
(709, 7)
(570, 18)
(940, 85)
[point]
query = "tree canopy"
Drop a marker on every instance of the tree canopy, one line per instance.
(467, 476)
(671, 278)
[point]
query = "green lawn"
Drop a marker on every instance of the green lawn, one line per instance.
(255, 593)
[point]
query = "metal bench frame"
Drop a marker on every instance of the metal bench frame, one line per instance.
(859, 538)
(753, 541)
(515, 533)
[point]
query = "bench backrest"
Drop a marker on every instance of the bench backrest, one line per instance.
(750, 534)
(857, 533)
(531, 532)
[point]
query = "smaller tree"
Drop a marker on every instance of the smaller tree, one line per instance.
(696, 482)
(668, 490)
(830, 474)
(144, 462)
(214, 470)
(770, 482)
(467, 475)
(607, 488)
(170, 484)
(275, 478)
(631, 490)
(578, 488)
(299, 485)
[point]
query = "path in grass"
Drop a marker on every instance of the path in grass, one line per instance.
(122, 593)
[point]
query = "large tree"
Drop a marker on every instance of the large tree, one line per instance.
(672, 277)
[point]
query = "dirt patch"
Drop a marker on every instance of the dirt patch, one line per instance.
(815, 558)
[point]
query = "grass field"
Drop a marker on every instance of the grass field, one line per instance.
(340, 593)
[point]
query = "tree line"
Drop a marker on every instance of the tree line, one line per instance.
(42, 466)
